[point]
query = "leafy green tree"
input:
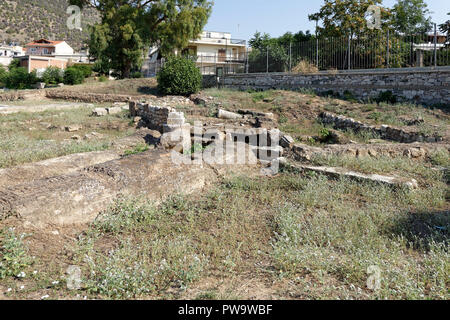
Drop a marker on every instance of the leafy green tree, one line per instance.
(129, 27)
(277, 49)
(411, 16)
(347, 17)
(3, 74)
(445, 27)
(14, 64)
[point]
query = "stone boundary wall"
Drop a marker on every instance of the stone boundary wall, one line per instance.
(384, 131)
(209, 81)
(425, 85)
(90, 97)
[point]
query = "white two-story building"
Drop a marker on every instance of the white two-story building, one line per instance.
(215, 53)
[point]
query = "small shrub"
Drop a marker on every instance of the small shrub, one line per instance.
(305, 67)
(53, 75)
(136, 75)
(386, 96)
(102, 79)
(85, 68)
(73, 76)
(179, 76)
(261, 95)
(19, 78)
(325, 134)
(347, 95)
(14, 258)
(138, 149)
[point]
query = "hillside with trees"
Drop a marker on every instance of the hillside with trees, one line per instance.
(25, 20)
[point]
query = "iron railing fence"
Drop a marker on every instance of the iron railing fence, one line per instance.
(382, 50)
(386, 50)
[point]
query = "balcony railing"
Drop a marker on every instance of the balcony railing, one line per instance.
(224, 41)
(218, 58)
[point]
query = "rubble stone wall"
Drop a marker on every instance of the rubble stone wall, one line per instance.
(424, 85)
(89, 97)
(154, 117)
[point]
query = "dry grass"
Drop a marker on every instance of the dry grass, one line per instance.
(305, 67)
(295, 236)
(131, 87)
(31, 137)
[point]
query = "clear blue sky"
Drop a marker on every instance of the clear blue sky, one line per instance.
(243, 17)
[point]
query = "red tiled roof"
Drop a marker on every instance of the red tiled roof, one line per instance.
(43, 42)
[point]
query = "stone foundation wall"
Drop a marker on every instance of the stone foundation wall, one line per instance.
(89, 97)
(385, 132)
(424, 85)
(155, 117)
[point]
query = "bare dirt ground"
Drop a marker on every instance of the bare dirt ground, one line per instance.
(241, 235)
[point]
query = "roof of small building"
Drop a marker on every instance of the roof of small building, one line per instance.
(43, 42)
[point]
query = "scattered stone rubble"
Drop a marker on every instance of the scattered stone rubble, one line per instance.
(376, 178)
(80, 193)
(115, 109)
(384, 131)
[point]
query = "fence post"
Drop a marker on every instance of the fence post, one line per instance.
(435, 45)
(317, 51)
(290, 56)
(267, 65)
(388, 63)
(349, 51)
(246, 60)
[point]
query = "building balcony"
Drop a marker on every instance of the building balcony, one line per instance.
(220, 41)
(235, 58)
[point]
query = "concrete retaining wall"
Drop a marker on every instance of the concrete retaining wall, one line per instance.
(424, 85)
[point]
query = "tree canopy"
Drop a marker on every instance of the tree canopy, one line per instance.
(445, 27)
(346, 17)
(129, 27)
(411, 16)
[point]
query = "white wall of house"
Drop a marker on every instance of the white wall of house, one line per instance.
(5, 61)
(63, 49)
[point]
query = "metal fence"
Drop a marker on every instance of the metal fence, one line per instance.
(385, 50)
(380, 50)
(150, 69)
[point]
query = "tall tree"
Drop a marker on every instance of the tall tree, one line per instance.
(129, 27)
(411, 16)
(346, 17)
(445, 27)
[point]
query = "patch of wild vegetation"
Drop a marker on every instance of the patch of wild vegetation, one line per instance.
(402, 166)
(31, 137)
(322, 235)
(14, 258)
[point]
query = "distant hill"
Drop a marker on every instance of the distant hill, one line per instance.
(25, 20)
